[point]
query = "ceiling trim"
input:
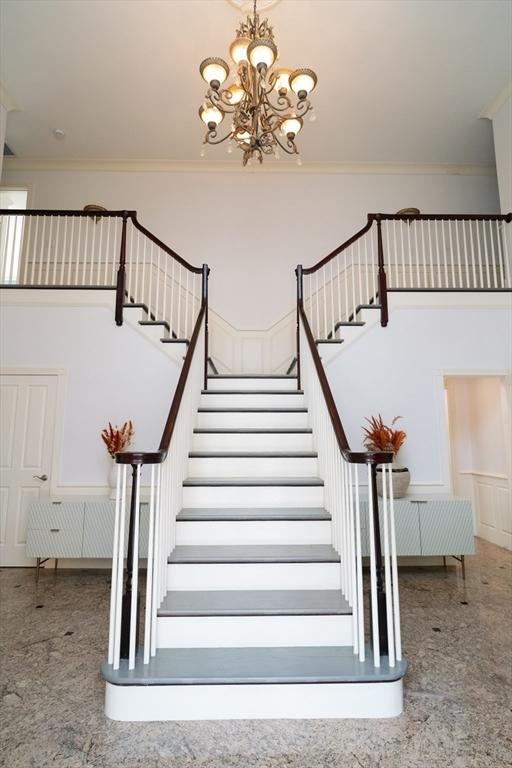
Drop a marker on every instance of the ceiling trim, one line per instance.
(497, 103)
(167, 166)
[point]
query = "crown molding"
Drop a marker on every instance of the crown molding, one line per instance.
(168, 166)
(497, 103)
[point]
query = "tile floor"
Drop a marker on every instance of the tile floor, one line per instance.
(457, 639)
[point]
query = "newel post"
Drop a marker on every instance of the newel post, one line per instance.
(121, 273)
(381, 593)
(300, 296)
(205, 273)
(383, 289)
(127, 595)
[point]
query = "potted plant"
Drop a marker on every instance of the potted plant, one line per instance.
(381, 437)
(116, 439)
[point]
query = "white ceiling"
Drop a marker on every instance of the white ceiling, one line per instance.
(400, 81)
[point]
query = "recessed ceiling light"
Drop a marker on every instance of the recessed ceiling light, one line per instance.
(58, 133)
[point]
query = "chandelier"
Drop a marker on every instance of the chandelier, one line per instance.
(258, 103)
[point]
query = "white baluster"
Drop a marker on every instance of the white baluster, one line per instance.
(148, 614)
(394, 571)
(500, 253)
(27, 249)
(387, 474)
(493, 255)
(49, 251)
(452, 263)
(34, 251)
(115, 556)
(55, 253)
(359, 572)
(119, 578)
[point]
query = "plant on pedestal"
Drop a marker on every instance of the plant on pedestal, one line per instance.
(381, 437)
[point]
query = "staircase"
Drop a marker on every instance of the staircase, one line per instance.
(253, 623)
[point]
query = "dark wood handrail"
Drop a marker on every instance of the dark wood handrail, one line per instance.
(163, 246)
(507, 217)
(59, 212)
(353, 457)
(157, 457)
(339, 249)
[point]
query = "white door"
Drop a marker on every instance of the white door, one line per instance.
(27, 418)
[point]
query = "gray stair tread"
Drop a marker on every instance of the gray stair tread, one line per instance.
(217, 666)
(256, 602)
(254, 553)
(251, 481)
(269, 431)
(252, 391)
(252, 410)
(252, 376)
(253, 455)
(245, 514)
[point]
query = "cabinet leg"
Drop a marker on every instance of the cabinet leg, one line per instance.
(38, 566)
(444, 561)
(463, 564)
(56, 562)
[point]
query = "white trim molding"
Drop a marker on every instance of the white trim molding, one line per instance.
(283, 167)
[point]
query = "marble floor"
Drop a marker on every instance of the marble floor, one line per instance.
(457, 639)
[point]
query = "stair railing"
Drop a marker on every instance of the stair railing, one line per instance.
(167, 469)
(101, 250)
(406, 252)
(341, 468)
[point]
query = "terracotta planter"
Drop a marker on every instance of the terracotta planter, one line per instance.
(401, 479)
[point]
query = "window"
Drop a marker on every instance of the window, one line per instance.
(11, 234)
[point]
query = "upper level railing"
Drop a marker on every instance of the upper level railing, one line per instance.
(406, 252)
(101, 250)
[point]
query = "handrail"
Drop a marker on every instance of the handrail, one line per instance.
(340, 248)
(404, 217)
(157, 457)
(353, 457)
(163, 246)
(64, 212)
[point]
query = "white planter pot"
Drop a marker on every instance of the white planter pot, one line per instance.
(401, 478)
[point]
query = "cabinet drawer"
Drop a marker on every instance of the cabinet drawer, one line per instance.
(98, 539)
(68, 515)
(54, 542)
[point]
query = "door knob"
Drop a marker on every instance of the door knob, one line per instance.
(43, 478)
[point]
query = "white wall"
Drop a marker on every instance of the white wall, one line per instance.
(502, 128)
(112, 374)
(254, 227)
(399, 370)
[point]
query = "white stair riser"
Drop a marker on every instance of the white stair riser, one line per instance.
(253, 467)
(252, 442)
(281, 420)
(256, 383)
(208, 576)
(252, 401)
(253, 496)
(252, 631)
(261, 702)
(228, 532)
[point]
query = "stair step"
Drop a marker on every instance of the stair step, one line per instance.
(252, 376)
(174, 341)
(251, 515)
(204, 409)
(255, 602)
(255, 418)
(244, 382)
(241, 482)
(253, 455)
(315, 553)
(255, 431)
(236, 666)
(252, 392)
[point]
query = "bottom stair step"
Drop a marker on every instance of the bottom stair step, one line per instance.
(241, 683)
(255, 602)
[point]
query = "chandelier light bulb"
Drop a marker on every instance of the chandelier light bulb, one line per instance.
(291, 125)
(211, 116)
(282, 81)
(236, 93)
(238, 49)
(262, 52)
(214, 71)
(302, 82)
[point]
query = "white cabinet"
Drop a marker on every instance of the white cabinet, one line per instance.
(78, 528)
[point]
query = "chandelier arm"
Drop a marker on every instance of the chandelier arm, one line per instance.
(213, 135)
(303, 107)
(293, 151)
